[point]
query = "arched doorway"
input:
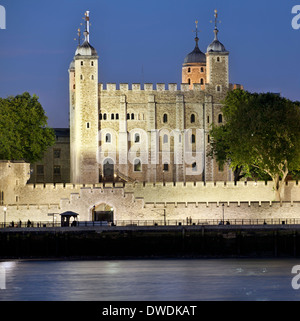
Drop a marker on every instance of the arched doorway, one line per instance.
(108, 170)
(103, 212)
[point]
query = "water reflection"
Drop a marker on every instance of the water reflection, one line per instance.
(207, 279)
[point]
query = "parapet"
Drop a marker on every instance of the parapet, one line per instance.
(159, 87)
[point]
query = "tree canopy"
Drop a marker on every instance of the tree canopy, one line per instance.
(24, 133)
(261, 136)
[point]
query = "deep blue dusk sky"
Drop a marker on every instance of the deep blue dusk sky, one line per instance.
(144, 41)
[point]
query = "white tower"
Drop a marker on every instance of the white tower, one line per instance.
(83, 79)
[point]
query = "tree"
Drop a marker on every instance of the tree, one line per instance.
(24, 134)
(261, 135)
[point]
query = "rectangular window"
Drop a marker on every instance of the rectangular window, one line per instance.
(1, 197)
(56, 153)
(56, 170)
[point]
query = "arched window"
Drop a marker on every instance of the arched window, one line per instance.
(137, 165)
(166, 167)
(92, 77)
(194, 167)
(189, 81)
(165, 139)
(117, 116)
(218, 59)
(100, 116)
(202, 69)
(165, 118)
(112, 116)
(81, 77)
(189, 69)
(136, 138)
(128, 116)
(132, 116)
(108, 138)
(220, 118)
(218, 88)
(192, 118)
(92, 63)
(193, 139)
(201, 81)
(104, 116)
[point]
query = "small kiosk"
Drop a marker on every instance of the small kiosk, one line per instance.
(66, 218)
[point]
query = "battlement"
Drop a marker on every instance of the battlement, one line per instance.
(167, 185)
(159, 87)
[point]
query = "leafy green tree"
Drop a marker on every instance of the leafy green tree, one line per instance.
(261, 135)
(24, 134)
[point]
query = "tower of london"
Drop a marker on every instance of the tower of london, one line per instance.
(139, 152)
(146, 132)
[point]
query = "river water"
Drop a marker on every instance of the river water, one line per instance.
(149, 280)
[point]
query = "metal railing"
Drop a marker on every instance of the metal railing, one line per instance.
(141, 223)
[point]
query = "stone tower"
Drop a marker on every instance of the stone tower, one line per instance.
(83, 79)
(194, 66)
(217, 64)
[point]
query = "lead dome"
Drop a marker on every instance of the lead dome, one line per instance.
(216, 45)
(86, 50)
(196, 56)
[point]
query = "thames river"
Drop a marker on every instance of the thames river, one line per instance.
(149, 280)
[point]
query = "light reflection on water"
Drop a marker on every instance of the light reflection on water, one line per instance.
(150, 280)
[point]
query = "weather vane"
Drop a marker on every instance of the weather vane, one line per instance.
(196, 22)
(216, 18)
(79, 35)
(196, 31)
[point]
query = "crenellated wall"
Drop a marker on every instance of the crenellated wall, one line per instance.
(144, 201)
(148, 87)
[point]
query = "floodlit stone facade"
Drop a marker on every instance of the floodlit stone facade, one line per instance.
(152, 202)
(139, 153)
(148, 132)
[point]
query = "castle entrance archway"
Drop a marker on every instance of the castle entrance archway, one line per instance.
(103, 212)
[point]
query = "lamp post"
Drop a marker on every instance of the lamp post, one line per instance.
(223, 212)
(5, 209)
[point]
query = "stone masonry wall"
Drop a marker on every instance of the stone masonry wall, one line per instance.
(148, 201)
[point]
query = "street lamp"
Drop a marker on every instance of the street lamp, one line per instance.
(5, 209)
(223, 212)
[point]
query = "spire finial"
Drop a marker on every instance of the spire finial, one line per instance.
(216, 17)
(196, 31)
(87, 26)
(79, 35)
(216, 24)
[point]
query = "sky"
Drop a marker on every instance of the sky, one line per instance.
(141, 41)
